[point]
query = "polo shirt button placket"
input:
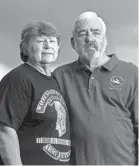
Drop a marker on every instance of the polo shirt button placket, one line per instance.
(92, 77)
(91, 80)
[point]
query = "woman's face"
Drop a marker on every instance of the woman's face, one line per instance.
(43, 49)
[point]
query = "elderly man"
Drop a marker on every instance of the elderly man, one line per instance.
(101, 95)
(34, 123)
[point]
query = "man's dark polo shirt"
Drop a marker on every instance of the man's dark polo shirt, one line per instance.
(103, 108)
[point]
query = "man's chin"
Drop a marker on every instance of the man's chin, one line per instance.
(91, 52)
(48, 61)
(93, 55)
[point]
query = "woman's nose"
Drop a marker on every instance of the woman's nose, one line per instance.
(46, 44)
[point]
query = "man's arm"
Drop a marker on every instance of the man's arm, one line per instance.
(135, 125)
(134, 116)
(9, 146)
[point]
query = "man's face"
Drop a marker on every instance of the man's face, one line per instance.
(89, 39)
(43, 49)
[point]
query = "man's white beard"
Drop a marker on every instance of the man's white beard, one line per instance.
(95, 54)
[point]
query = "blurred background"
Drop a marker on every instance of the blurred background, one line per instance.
(120, 16)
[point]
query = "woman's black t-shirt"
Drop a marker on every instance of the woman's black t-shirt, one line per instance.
(32, 104)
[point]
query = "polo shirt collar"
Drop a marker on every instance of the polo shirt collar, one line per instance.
(110, 65)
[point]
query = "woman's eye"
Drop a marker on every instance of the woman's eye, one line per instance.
(40, 41)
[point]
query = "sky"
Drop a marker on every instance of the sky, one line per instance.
(120, 16)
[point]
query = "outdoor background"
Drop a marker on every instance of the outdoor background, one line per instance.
(120, 16)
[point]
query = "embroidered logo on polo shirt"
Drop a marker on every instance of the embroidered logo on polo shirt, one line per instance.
(116, 82)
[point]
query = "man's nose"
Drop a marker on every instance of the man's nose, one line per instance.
(89, 37)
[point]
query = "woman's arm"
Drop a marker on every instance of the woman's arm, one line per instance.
(9, 146)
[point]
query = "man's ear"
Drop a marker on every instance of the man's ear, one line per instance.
(72, 42)
(106, 39)
(59, 50)
(106, 36)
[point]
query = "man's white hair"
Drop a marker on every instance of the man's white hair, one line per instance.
(85, 16)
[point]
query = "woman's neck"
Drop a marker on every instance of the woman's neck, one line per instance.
(42, 68)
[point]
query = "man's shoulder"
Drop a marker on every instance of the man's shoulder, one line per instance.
(65, 68)
(128, 69)
(129, 66)
(62, 71)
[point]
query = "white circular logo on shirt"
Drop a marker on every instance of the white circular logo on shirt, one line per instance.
(116, 81)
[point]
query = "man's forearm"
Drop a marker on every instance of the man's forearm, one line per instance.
(9, 146)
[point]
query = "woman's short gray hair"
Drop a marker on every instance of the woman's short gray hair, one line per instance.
(36, 29)
(85, 16)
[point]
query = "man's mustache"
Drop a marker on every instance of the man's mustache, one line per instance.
(91, 45)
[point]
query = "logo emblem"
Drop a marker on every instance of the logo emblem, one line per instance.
(54, 98)
(116, 81)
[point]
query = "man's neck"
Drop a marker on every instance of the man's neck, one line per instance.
(95, 62)
(42, 68)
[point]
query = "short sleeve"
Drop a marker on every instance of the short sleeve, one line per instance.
(134, 104)
(134, 110)
(14, 100)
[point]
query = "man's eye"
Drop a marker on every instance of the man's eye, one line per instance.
(97, 33)
(81, 34)
(52, 41)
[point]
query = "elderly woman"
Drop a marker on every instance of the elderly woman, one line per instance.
(34, 124)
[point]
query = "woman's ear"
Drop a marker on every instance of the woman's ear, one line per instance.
(72, 42)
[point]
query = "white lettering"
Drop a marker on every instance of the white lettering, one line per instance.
(39, 107)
